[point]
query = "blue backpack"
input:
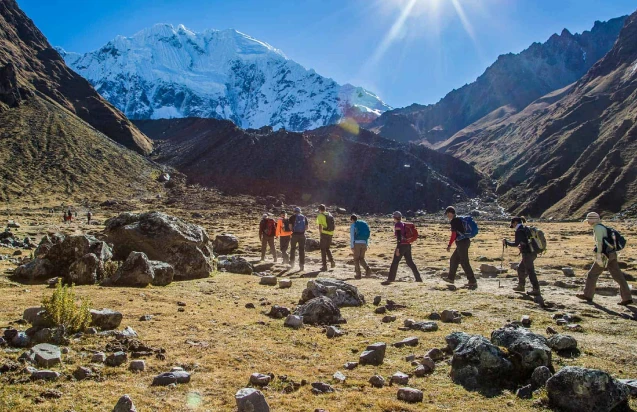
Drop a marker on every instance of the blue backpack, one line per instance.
(361, 230)
(299, 224)
(470, 228)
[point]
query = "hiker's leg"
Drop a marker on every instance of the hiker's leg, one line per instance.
(293, 242)
(463, 251)
(357, 260)
(324, 246)
(522, 272)
(454, 261)
(363, 262)
(530, 269)
(302, 251)
(410, 262)
(272, 248)
(618, 276)
(394, 268)
(264, 245)
(591, 280)
(284, 242)
(329, 251)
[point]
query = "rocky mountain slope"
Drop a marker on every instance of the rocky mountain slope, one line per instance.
(168, 72)
(508, 85)
(38, 65)
(49, 146)
(353, 168)
(570, 151)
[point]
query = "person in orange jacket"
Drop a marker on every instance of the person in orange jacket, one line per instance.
(284, 233)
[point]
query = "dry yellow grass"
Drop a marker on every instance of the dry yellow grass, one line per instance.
(223, 342)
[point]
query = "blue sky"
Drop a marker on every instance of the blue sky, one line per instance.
(406, 51)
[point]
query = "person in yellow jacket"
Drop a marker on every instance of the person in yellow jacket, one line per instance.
(325, 222)
(284, 233)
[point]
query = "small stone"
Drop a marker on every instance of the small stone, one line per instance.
(251, 400)
(410, 395)
(380, 310)
(450, 316)
(181, 303)
(99, 357)
(137, 365)
(388, 319)
(551, 331)
(410, 341)
(410, 358)
(373, 355)
(399, 378)
(339, 377)
(408, 323)
(65, 351)
(146, 318)
(333, 332)
(561, 322)
(377, 300)
(128, 332)
(540, 375)
(429, 363)
(377, 381)
(250, 306)
(293, 321)
(562, 343)
(106, 319)
(20, 340)
(116, 359)
(259, 379)
(82, 373)
(268, 280)
(285, 283)
(574, 327)
(46, 355)
(168, 378)
(526, 321)
(320, 387)
(350, 365)
(51, 394)
(125, 404)
(44, 375)
(278, 312)
(466, 314)
(434, 316)
(568, 271)
(435, 354)
(525, 392)
(91, 331)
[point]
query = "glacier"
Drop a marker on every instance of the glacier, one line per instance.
(172, 72)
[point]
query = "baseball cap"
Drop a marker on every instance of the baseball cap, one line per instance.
(397, 214)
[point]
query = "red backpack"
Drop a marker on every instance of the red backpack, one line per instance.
(411, 233)
(270, 227)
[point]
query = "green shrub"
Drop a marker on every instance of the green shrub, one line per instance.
(63, 310)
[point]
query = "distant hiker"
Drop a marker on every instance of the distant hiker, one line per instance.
(69, 216)
(359, 241)
(267, 232)
(326, 226)
(299, 225)
(76, 213)
(607, 243)
(461, 235)
(89, 215)
(406, 234)
(284, 233)
(529, 254)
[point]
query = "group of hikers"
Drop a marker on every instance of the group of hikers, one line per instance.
(529, 240)
(68, 216)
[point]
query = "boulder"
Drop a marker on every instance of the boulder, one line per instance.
(45, 355)
(260, 379)
(124, 404)
(162, 237)
(136, 271)
(477, 363)
(87, 270)
(341, 293)
(81, 373)
(137, 365)
(268, 280)
(562, 343)
(377, 381)
(116, 359)
(226, 243)
(530, 350)
(399, 378)
(585, 390)
(293, 321)
(410, 395)
(373, 355)
(236, 264)
(539, 377)
(105, 319)
(251, 400)
(285, 283)
(319, 311)
(37, 269)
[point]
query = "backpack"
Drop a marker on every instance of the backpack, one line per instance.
(361, 230)
(299, 224)
(537, 240)
(270, 227)
(411, 233)
(286, 225)
(470, 228)
(330, 223)
(614, 239)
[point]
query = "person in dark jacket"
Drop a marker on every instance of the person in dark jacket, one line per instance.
(526, 268)
(299, 225)
(460, 256)
(403, 249)
(267, 232)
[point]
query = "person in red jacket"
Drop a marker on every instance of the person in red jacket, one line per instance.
(267, 232)
(403, 248)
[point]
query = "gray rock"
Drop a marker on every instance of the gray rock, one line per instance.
(137, 365)
(373, 355)
(87, 270)
(424, 326)
(285, 283)
(333, 332)
(236, 264)
(450, 316)
(388, 319)
(568, 271)
(632, 386)
(36, 316)
(124, 404)
(20, 340)
(105, 319)
(161, 237)
(268, 280)
(377, 381)
(251, 400)
(293, 321)
(434, 316)
(167, 378)
(350, 365)
(435, 354)
(426, 367)
(260, 379)
(116, 359)
(319, 311)
(164, 273)
(561, 343)
(585, 390)
(530, 350)
(339, 377)
(477, 363)
(137, 271)
(278, 312)
(525, 392)
(526, 321)
(341, 293)
(45, 375)
(99, 357)
(377, 300)
(399, 378)
(82, 373)
(410, 395)
(128, 332)
(321, 387)
(411, 341)
(225, 243)
(146, 318)
(37, 269)
(540, 376)
(46, 355)
(490, 269)
(312, 245)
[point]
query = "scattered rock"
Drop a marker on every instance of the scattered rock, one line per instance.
(293, 321)
(105, 319)
(319, 311)
(225, 243)
(268, 280)
(259, 379)
(320, 388)
(377, 381)
(531, 350)
(350, 365)
(235, 264)
(450, 316)
(411, 341)
(339, 377)
(561, 343)
(116, 359)
(341, 293)
(574, 328)
(251, 400)
(526, 321)
(82, 373)
(373, 355)
(410, 395)
(568, 271)
(45, 355)
(585, 390)
(333, 332)
(491, 270)
(377, 300)
(380, 310)
(525, 392)
(399, 378)
(99, 357)
(435, 354)
(388, 319)
(168, 378)
(137, 365)
(424, 326)
(285, 283)
(125, 404)
(539, 377)
(145, 318)
(45, 375)
(278, 312)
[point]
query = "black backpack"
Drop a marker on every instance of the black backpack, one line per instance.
(614, 239)
(330, 223)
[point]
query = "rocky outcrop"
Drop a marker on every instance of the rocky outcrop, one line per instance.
(319, 311)
(185, 246)
(529, 350)
(139, 271)
(341, 293)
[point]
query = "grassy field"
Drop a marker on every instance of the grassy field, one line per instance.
(222, 342)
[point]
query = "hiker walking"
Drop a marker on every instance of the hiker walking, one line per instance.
(69, 216)
(405, 234)
(527, 264)
(460, 257)
(267, 231)
(299, 225)
(89, 215)
(359, 240)
(325, 222)
(607, 243)
(284, 233)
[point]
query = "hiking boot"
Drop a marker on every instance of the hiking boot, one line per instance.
(418, 280)
(333, 264)
(323, 268)
(583, 297)
(448, 280)
(387, 282)
(368, 272)
(301, 268)
(357, 276)
(625, 302)
(519, 288)
(534, 292)
(471, 285)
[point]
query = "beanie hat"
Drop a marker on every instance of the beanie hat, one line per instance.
(592, 216)
(398, 215)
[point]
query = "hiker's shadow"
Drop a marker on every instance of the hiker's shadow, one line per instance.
(614, 313)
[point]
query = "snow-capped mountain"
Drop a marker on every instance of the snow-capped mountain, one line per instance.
(168, 72)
